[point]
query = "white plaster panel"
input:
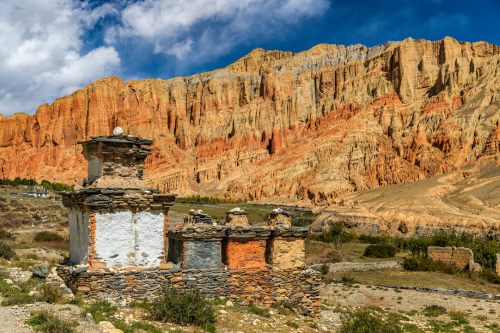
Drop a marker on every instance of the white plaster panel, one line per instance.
(79, 231)
(149, 238)
(114, 238)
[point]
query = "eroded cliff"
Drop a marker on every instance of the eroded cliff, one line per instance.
(307, 126)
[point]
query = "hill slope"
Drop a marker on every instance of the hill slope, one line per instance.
(309, 126)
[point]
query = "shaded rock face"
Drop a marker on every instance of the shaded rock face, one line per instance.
(307, 126)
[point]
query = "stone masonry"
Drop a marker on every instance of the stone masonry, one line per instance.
(122, 247)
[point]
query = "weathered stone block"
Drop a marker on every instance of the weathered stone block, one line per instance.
(287, 253)
(201, 254)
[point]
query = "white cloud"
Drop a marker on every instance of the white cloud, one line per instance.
(41, 58)
(207, 28)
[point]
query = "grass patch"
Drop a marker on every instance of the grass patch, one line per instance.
(6, 251)
(45, 322)
(47, 236)
(136, 326)
(258, 310)
(375, 320)
(18, 294)
(292, 324)
(100, 310)
(380, 251)
(434, 310)
(183, 307)
(7, 235)
(49, 293)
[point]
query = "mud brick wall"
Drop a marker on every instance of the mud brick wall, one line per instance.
(296, 287)
(460, 257)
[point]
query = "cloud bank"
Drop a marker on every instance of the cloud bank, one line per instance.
(46, 50)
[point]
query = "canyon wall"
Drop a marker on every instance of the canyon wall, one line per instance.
(308, 126)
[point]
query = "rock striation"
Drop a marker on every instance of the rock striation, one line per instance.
(308, 126)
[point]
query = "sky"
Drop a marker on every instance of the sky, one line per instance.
(51, 48)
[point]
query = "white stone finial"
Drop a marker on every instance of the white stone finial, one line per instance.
(118, 131)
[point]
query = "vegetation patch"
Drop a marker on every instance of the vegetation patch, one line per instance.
(434, 310)
(183, 307)
(375, 320)
(17, 294)
(258, 310)
(45, 322)
(6, 251)
(380, 251)
(47, 236)
(100, 310)
(49, 293)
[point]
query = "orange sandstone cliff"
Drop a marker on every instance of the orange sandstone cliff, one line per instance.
(308, 126)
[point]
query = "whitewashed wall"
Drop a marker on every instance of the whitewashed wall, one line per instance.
(149, 240)
(123, 238)
(79, 231)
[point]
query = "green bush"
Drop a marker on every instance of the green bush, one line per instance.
(48, 236)
(368, 321)
(348, 279)
(183, 307)
(49, 293)
(45, 322)
(101, 310)
(336, 235)
(4, 234)
(434, 310)
(6, 251)
(324, 269)
(17, 294)
(369, 239)
(380, 251)
(425, 264)
(258, 310)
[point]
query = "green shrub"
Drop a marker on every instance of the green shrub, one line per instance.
(490, 275)
(48, 236)
(136, 326)
(458, 317)
(4, 234)
(369, 239)
(49, 293)
(45, 322)
(368, 321)
(335, 235)
(183, 307)
(17, 294)
(434, 310)
(292, 324)
(324, 269)
(258, 310)
(6, 251)
(348, 279)
(380, 251)
(424, 264)
(101, 310)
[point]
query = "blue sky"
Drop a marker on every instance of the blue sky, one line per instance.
(53, 47)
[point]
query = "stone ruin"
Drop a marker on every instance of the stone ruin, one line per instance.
(122, 246)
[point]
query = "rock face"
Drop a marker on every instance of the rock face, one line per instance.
(307, 126)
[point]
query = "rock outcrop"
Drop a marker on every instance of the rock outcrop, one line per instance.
(305, 126)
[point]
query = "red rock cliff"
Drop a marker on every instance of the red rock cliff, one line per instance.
(310, 125)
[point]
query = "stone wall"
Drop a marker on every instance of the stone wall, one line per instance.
(286, 253)
(460, 257)
(295, 287)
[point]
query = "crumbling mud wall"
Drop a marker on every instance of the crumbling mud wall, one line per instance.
(460, 257)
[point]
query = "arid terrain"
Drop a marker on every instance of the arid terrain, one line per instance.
(389, 293)
(467, 199)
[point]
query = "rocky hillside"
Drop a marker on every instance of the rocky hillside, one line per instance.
(304, 126)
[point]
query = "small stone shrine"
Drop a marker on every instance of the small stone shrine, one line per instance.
(122, 247)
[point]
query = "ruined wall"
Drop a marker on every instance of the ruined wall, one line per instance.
(296, 287)
(287, 253)
(79, 231)
(460, 257)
